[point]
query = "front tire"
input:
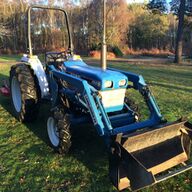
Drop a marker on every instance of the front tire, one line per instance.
(24, 93)
(58, 129)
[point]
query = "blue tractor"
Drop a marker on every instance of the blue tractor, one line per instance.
(139, 151)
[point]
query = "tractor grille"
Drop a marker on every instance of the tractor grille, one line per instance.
(113, 98)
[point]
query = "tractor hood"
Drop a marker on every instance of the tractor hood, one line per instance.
(101, 80)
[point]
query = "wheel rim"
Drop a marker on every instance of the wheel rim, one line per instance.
(53, 131)
(16, 94)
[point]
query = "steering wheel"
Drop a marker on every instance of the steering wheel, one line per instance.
(56, 55)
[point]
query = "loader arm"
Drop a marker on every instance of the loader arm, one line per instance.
(85, 94)
(89, 97)
(155, 114)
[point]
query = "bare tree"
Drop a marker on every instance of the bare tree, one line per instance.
(4, 30)
(179, 40)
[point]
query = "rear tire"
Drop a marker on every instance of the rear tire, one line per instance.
(58, 129)
(24, 93)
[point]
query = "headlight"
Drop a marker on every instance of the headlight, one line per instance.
(108, 84)
(122, 82)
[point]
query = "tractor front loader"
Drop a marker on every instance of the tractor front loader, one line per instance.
(140, 152)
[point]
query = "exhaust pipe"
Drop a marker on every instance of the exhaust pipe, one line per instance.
(104, 45)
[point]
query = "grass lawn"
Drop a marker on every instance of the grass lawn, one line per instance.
(27, 163)
(9, 58)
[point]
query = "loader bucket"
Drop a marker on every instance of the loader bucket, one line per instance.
(136, 160)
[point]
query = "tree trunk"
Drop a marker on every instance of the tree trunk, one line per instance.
(179, 40)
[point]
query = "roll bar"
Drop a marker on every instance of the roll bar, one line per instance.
(50, 8)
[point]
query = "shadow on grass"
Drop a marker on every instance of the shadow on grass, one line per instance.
(87, 146)
(37, 127)
(3, 77)
(11, 57)
(156, 61)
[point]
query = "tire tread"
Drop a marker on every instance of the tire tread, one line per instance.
(29, 92)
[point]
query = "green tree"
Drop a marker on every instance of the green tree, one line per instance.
(158, 6)
(181, 8)
(149, 31)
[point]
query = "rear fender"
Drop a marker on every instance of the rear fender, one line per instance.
(39, 71)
